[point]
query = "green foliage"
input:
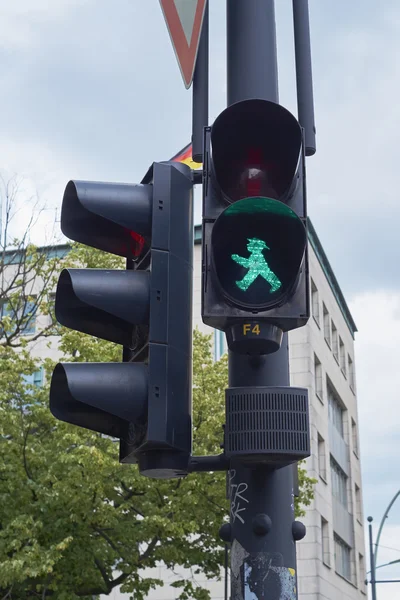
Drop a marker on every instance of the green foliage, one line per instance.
(21, 299)
(74, 523)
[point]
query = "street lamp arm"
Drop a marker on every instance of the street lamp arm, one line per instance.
(382, 524)
(392, 562)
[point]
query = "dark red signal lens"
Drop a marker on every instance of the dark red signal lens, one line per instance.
(256, 149)
(258, 177)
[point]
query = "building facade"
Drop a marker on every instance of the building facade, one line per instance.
(331, 558)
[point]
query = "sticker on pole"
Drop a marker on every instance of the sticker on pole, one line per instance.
(184, 19)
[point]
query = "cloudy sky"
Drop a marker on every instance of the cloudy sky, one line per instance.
(91, 90)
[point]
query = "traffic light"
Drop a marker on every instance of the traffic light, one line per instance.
(255, 266)
(144, 401)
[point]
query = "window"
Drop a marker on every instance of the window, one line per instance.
(342, 558)
(361, 573)
(350, 370)
(219, 344)
(38, 378)
(29, 316)
(24, 313)
(321, 458)
(327, 325)
(326, 555)
(354, 436)
(335, 411)
(35, 379)
(315, 302)
(342, 356)
(335, 342)
(318, 377)
(339, 483)
(358, 503)
(5, 311)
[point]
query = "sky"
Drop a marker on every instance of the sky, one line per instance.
(91, 90)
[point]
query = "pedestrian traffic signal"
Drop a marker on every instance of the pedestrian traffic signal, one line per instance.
(147, 308)
(255, 268)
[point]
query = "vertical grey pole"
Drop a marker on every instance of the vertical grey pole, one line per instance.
(252, 66)
(385, 516)
(372, 559)
(200, 93)
(263, 554)
(262, 535)
(305, 98)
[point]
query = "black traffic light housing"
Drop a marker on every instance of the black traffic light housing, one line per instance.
(147, 308)
(255, 266)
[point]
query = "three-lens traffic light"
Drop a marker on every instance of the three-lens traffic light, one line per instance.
(147, 308)
(255, 271)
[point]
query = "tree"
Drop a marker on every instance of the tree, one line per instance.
(27, 273)
(73, 522)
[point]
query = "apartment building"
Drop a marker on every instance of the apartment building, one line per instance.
(331, 558)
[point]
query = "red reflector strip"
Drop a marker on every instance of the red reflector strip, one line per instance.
(138, 245)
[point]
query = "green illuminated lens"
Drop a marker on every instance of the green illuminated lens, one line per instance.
(258, 245)
(260, 205)
(257, 266)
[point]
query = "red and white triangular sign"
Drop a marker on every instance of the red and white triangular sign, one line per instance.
(184, 20)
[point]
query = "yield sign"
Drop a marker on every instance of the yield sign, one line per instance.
(184, 20)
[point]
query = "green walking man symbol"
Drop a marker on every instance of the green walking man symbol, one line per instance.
(256, 265)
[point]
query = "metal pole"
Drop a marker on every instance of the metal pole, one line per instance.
(263, 553)
(251, 50)
(372, 559)
(385, 516)
(305, 98)
(200, 93)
